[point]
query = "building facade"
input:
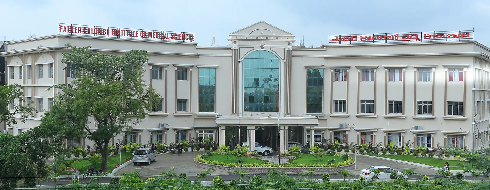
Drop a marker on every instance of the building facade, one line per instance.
(263, 89)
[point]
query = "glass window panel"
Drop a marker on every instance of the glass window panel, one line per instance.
(261, 78)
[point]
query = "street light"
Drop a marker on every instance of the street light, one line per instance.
(279, 136)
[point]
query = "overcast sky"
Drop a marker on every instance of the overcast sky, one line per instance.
(315, 20)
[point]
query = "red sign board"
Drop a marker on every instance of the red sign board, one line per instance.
(402, 37)
(125, 33)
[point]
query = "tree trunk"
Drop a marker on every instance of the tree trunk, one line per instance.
(105, 154)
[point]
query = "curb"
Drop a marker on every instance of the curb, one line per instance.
(404, 162)
(115, 170)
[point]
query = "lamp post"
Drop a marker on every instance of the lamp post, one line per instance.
(279, 136)
(119, 142)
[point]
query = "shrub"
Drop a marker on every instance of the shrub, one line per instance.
(218, 182)
(223, 149)
(425, 178)
(393, 175)
(326, 177)
(345, 157)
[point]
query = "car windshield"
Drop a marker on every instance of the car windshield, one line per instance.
(139, 152)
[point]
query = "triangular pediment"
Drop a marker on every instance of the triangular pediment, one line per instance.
(261, 28)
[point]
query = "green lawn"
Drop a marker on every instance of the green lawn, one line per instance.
(227, 158)
(455, 164)
(83, 164)
(310, 159)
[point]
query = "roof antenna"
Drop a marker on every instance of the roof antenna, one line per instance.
(212, 42)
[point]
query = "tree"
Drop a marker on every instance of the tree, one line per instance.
(8, 94)
(107, 89)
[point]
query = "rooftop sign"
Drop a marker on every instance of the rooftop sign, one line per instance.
(404, 37)
(124, 33)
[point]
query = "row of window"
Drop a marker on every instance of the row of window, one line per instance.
(396, 75)
(40, 71)
(157, 73)
(395, 107)
(180, 135)
(39, 103)
(424, 140)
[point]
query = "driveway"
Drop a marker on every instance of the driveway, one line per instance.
(183, 163)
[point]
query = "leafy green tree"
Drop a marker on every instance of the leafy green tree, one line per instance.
(8, 94)
(107, 89)
(317, 153)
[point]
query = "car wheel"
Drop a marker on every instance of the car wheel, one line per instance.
(135, 163)
(266, 153)
(149, 162)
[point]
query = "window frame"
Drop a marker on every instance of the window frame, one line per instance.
(395, 107)
(399, 137)
(40, 104)
(425, 105)
(424, 74)
(40, 70)
(20, 72)
(29, 71)
(314, 98)
(51, 70)
(12, 72)
(451, 108)
(180, 103)
(340, 75)
(395, 75)
(181, 73)
(427, 138)
(50, 103)
(365, 104)
(205, 103)
(455, 141)
(340, 106)
(367, 75)
(156, 73)
(455, 74)
(159, 108)
(206, 134)
(365, 135)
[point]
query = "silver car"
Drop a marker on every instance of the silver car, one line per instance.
(144, 155)
(384, 172)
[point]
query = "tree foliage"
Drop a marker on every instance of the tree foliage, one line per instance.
(8, 94)
(108, 90)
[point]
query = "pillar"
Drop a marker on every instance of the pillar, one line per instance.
(312, 137)
(221, 134)
(251, 137)
(282, 138)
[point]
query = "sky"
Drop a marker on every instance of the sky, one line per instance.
(313, 20)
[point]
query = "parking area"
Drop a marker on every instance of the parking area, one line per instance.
(184, 163)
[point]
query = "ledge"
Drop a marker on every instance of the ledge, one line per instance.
(206, 114)
(339, 115)
(316, 114)
(460, 118)
(158, 114)
(424, 117)
(367, 115)
(184, 114)
(395, 116)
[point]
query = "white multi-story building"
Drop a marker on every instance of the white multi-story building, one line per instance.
(264, 89)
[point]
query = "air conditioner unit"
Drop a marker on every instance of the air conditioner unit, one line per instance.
(417, 127)
(162, 125)
(342, 125)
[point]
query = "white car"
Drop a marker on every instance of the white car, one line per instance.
(263, 150)
(384, 172)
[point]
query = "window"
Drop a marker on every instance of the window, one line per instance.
(50, 103)
(156, 137)
(159, 107)
(181, 104)
(157, 73)
(340, 136)
(73, 142)
(70, 70)
(367, 106)
(20, 72)
(455, 74)
(424, 107)
(40, 105)
(29, 71)
(340, 106)
(340, 74)
(424, 140)
(181, 136)
(261, 82)
(424, 74)
(314, 91)
(51, 70)
(396, 138)
(367, 74)
(40, 69)
(204, 134)
(317, 137)
(181, 73)
(12, 72)
(11, 103)
(395, 75)
(455, 141)
(454, 108)
(131, 137)
(28, 101)
(367, 138)
(395, 106)
(207, 89)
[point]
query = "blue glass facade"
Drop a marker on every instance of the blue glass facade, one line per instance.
(207, 89)
(314, 91)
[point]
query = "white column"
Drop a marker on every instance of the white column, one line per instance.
(221, 135)
(240, 88)
(251, 137)
(312, 137)
(282, 87)
(282, 137)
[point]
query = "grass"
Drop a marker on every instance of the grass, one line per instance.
(228, 158)
(436, 162)
(310, 159)
(83, 164)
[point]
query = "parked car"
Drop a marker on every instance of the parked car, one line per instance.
(384, 172)
(262, 150)
(144, 155)
(303, 148)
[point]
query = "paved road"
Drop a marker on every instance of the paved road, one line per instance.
(364, 162)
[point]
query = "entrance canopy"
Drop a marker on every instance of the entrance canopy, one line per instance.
(264, 121)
